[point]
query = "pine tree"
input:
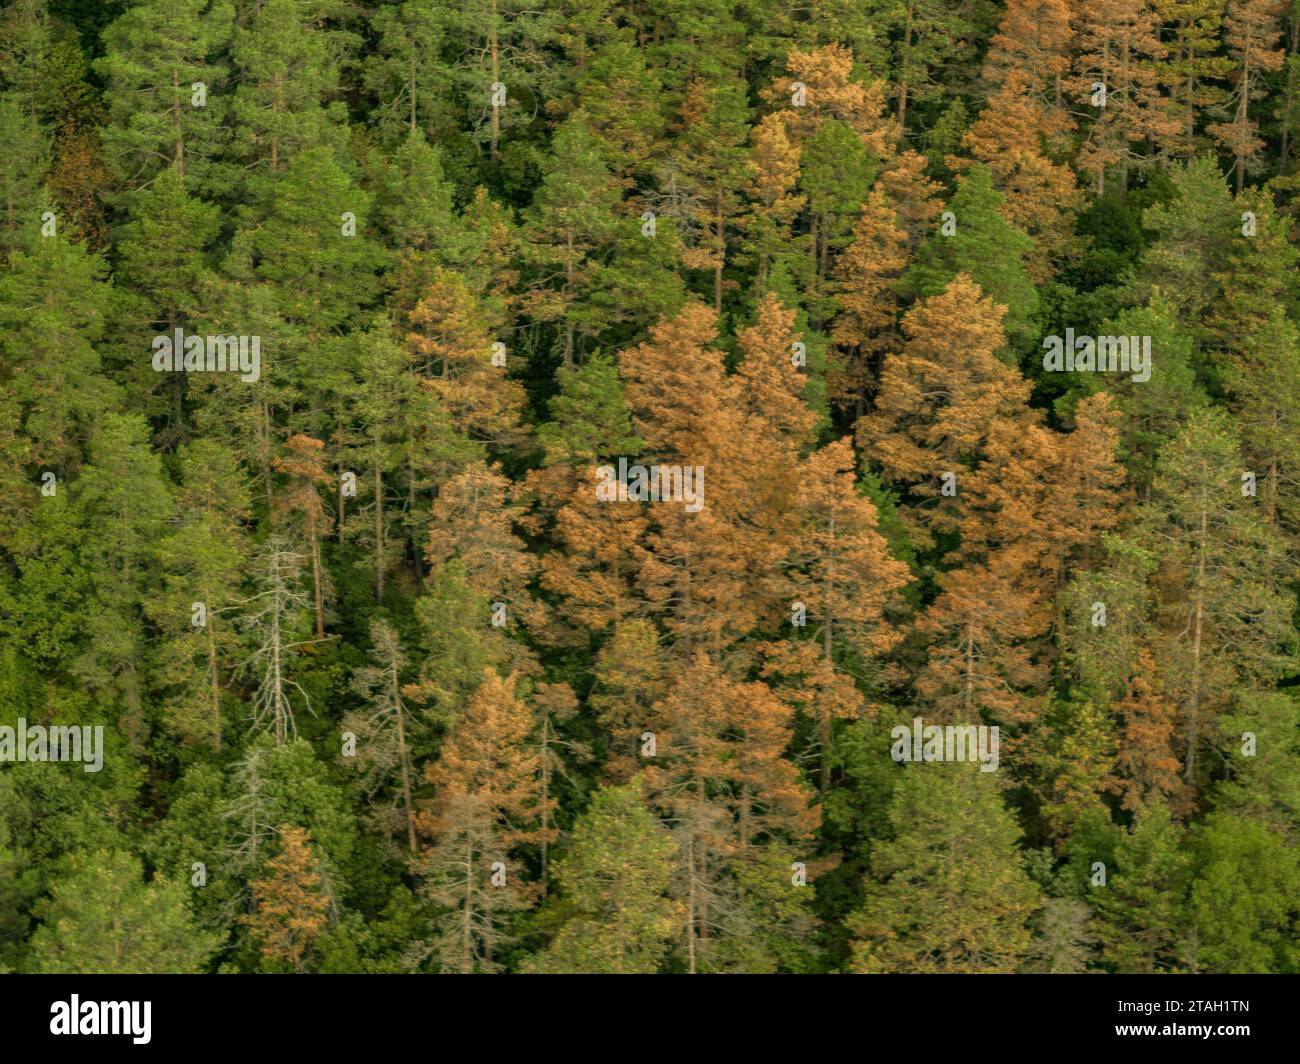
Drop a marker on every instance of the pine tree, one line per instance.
(501, 42)
(600, 544)
(1088, 490)
(386, 728)
(166, 279)
(1065, 943)
(1193, 233)
(1148, 765)
(473, 522)
(866, 292)
(285, 77)
(271, 615)
(204, 561)
(22, 197)
(1012, 137)
(277, 784)
(940, 394)
(291, 902)
(685, 408)
(158, 55)
(845, 574)
(415, 202)
(41, 63)
(1224, 622)
(304, 464)
(947, 892)
(385, 395)
(1119, 47)
(1261, 781)
(554, 709)
(773, 195)
(720, 778)
(931, 36)
(1076, 756)
(122, 495)
(450, 346)
(408, 73)
(629, 684)
(1153, 411)
(1242, 898)
(623, 105)
(986, 248)
(836, 171)
(1192, 69)
(1263, 379)
(1252, 35)
(831, 92)
(103, 918)
(571, 226)
(53, 301)
(614, 879)
(1033, 39)
(1142, 906)
(707, 170)
(487, 804)
(1259, 345)
(321, 273)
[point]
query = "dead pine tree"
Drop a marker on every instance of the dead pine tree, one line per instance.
(384, 727)
(272, 616)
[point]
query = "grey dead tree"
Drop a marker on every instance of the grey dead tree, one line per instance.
(270, 616)
(384, 728)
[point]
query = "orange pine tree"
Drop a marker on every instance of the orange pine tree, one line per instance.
(1086, 484)
(488, 802)
(1119, 50)
(291, 902)
(1040, 196)
(451, 350)
(473, 520)
(699, 568)
(865, 276)
(721, 781)
(1033, 41)
(1148, 767)
(938, 397)
(1253, 32)
(842, 573)
(304, 462)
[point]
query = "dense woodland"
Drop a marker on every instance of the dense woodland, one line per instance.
(386, 687)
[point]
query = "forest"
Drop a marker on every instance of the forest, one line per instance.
(656, 486)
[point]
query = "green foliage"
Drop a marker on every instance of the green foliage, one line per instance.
(103, 918)
(614, 879)
(488, 246)
(984, 245)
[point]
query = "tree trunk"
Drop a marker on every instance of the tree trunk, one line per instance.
(467, 924)
(496, 77)
(179, 150)
(379, 534)
(404, 757)
(316, 585)
(1194, 707)
(214, 688)
(546, 787)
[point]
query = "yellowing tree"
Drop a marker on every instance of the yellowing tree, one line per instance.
(487, 803)
(1119, 51)
(304, 462)
(866, 276)
(1253, 33)
(291, 902)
